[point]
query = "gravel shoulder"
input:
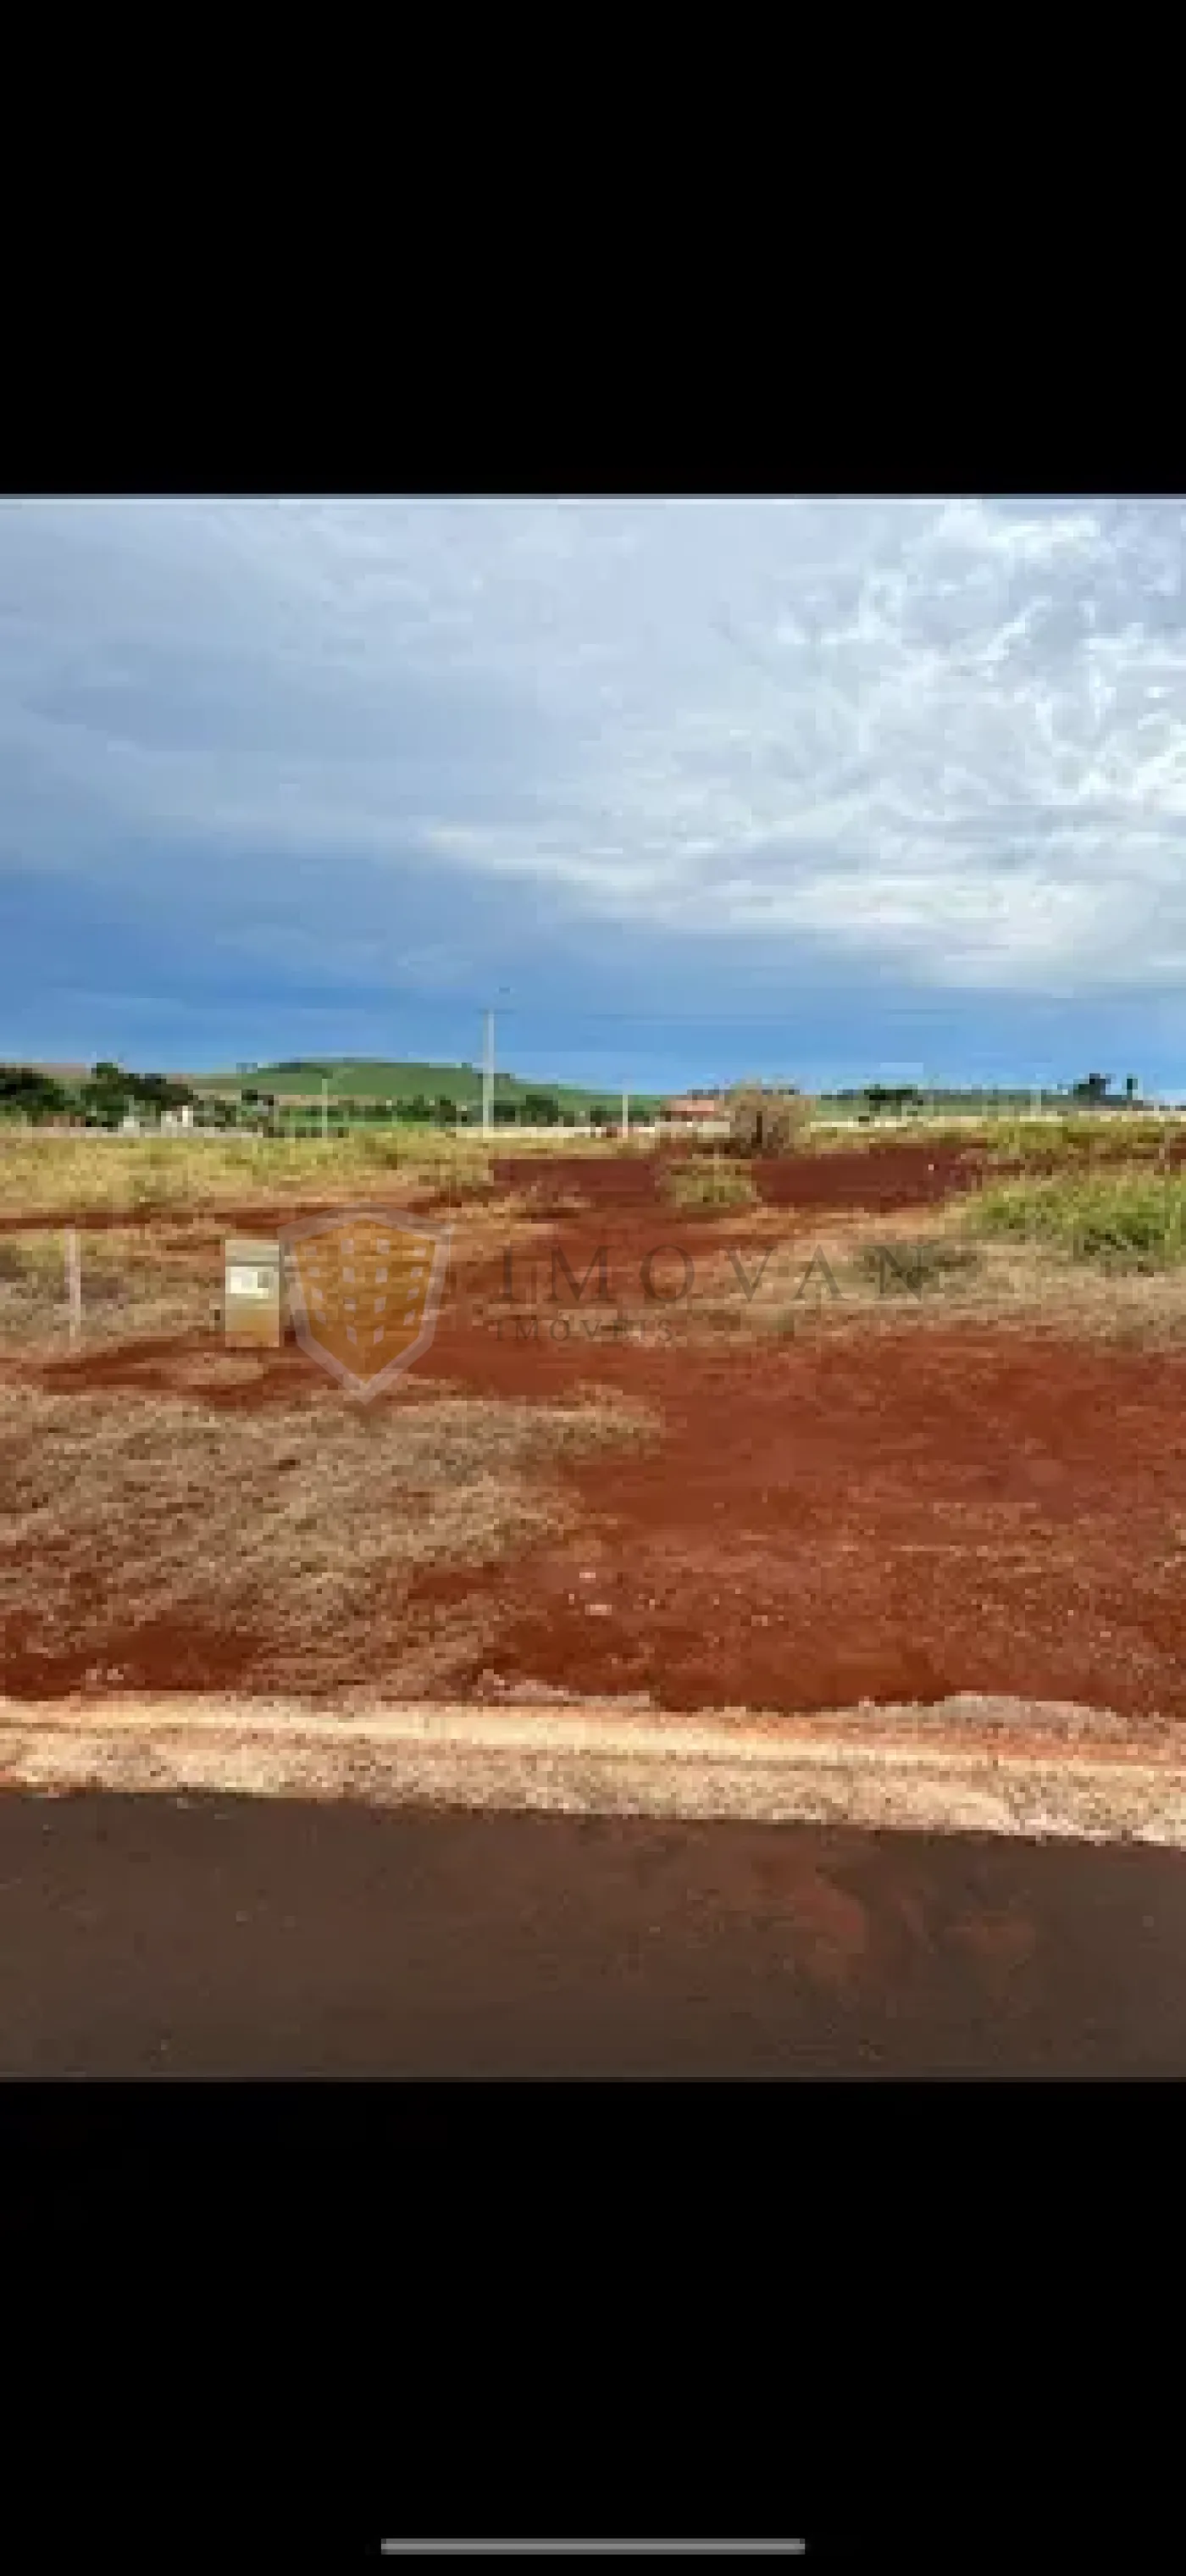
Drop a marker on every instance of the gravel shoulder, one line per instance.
(967, 1765)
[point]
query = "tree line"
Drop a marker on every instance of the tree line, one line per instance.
(111, 1092)
(102, 1100)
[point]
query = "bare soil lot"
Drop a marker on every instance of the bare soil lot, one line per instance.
(754, 1495)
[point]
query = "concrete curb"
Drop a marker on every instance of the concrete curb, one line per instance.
(886, 1770)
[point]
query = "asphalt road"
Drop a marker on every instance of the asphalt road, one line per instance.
(221, 1935)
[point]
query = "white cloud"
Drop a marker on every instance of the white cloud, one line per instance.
(951, 733)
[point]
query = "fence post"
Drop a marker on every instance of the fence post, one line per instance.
(74, 1284)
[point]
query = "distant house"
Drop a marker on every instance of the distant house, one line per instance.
(691, 1109)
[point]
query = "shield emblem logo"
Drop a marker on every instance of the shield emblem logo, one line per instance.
(364, 1287)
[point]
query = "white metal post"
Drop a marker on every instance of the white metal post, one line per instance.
(488, 1077)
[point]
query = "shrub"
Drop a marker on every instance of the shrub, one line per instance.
(766, 1122)
(708, 1185)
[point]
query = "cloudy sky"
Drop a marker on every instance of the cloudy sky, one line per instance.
(822, 789)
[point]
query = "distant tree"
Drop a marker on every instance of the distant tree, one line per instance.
(1095, 1087)
(888, 1095)
(541, 1109)
(31, 1094)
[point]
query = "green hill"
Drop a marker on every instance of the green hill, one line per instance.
(369, 1078)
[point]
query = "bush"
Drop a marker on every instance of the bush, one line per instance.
(708, 1185)
(766, 1122)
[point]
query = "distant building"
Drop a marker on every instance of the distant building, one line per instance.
(691, 1109)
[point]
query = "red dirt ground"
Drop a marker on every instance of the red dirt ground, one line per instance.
(886, 1177)
(899, 1516)
(618, 1180)
(941, 1512)
(878, 1176)
(929, 1512)
(248, 1218)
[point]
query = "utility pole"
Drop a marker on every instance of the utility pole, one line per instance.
(488, 1065)
(488, 1077)
(625, 1114)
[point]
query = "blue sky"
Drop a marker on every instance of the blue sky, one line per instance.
(825, 790)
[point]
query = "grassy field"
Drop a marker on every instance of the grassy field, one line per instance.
(44, 1171)
(1127, 1220)
(1079, 1139)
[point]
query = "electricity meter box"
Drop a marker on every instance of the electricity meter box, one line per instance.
(252, 1309)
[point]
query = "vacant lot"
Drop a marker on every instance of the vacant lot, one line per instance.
(882, 1423)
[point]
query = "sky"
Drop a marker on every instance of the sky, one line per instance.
(823, 790)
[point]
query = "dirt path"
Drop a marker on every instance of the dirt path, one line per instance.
(222, 1936)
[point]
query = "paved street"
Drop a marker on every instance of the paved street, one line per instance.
(252, 1936)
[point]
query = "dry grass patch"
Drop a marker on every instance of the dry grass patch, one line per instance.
(130, 1285)
(293, 1532)
(892, 1277)
(49, 1173)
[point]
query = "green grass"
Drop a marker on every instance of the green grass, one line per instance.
(1134, 1220)
(1085, 1139)
(709, 1185)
